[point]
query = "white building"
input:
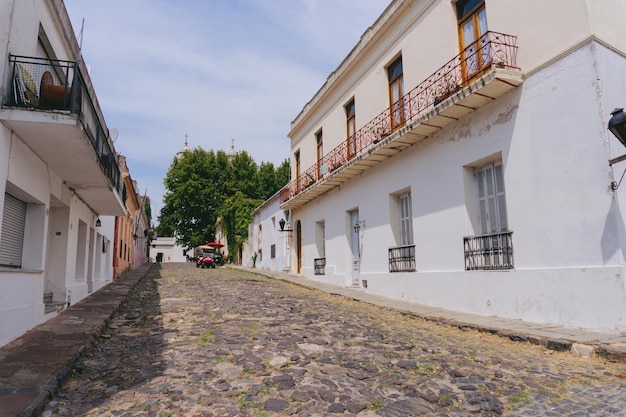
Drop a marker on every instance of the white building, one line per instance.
(468, 141)
(58, 170)
(166, 250)
(267, 239)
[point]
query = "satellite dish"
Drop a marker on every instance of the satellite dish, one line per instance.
(114, 134)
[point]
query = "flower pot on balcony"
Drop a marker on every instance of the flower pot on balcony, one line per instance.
(53, 96)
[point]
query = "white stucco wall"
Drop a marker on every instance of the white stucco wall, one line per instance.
(264, 232)
(171, 251)
(62, 251)
(550, 135)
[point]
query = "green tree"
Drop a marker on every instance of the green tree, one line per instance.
(245, 174)
(267, 180)
(283, 174)
(192, 200)
(203, 185)
(237, 215)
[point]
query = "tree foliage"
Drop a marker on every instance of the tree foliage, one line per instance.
(203, 185)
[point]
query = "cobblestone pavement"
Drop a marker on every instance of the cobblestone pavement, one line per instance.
(219, 342)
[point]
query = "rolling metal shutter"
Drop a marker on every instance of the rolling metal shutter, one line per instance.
(12, 235)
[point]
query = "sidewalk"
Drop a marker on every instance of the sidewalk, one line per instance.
(32, 366)
(581, 342)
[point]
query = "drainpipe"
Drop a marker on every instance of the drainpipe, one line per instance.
(115, 248)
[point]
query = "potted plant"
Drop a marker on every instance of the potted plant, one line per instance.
(444, 92)
(381, 132)
(309, 180)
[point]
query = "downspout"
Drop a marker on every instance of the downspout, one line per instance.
(115, 248)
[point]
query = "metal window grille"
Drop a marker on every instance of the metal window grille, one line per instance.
(272, 251)
(402, 259)
(489, 252)
(319, 265)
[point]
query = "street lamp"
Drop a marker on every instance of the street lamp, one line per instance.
(357, 226)
(281, 223)
(617, 125)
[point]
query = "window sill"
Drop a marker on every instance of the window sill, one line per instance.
(20, 270)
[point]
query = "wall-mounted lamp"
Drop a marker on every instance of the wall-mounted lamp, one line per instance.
(98, 222)
(358, 225)
(281, 224)
(617, 126)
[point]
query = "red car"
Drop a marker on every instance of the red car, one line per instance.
(206, 260)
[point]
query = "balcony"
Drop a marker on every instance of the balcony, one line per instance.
(52, 107)
(489, 252)
(481, 73)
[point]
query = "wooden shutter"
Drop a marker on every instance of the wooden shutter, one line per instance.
(492, 198)
(406, 220)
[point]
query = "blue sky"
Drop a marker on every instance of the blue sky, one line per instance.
(214, 70)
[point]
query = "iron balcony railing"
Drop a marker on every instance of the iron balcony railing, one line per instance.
(492, 50)
(489, 252)
(319, 266)
(48, 84)
(402, 259)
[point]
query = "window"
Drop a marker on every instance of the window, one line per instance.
(319, 263)
(406, 220)
(396, 92)
(351, 128)
(493, 249)
(402, 258)
(472, 18)
(272, 251)
(12, 233)
(320, 152)
(491, 198)
(296, 156)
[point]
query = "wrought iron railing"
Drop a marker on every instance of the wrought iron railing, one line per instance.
(489, 252)
(402, 259)
(49, 84)
(319, 266)
(492, 50)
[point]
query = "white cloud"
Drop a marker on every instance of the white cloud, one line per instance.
(216, 70)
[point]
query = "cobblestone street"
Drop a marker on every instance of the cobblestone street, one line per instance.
(223, 342)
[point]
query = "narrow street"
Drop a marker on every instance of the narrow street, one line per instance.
(223, 342)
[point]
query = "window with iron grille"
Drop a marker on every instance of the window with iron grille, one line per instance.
(493, 248)
(402, 258)
(319, 266)
(273, 251)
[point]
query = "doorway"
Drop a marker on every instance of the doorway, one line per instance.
(355, 247)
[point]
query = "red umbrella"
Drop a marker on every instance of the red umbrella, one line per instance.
(214, 244)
